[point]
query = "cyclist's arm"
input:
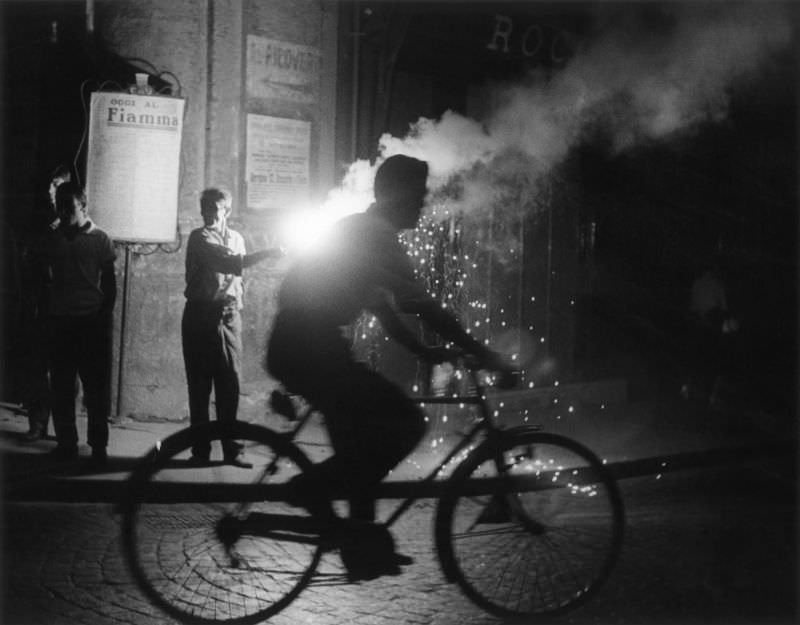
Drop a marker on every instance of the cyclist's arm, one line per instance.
(398, 330)
(448, 327)
(395, 274)
(405, 336)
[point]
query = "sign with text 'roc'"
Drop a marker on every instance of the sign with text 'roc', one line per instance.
(133, 165)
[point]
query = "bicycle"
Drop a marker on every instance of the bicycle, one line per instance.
(529, 524)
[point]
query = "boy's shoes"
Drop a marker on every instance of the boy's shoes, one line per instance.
(37, 432)
(239, 460)
(98, 460)
(63, 452)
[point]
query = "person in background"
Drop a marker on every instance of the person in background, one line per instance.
(76, 262)
(372, 423)
(211, 327)
(34, 301)
(717, 327)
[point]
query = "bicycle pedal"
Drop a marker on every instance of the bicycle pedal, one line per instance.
(496, 511)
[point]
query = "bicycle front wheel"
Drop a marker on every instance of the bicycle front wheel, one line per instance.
(217, 543)
(529, 525)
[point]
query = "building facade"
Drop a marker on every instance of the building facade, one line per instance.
(587, 268)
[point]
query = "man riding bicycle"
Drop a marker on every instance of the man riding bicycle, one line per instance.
(371, 422)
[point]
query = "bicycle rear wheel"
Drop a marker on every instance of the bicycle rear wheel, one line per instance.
(529, 525)
(216, 544)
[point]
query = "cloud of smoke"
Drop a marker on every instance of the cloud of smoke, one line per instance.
(646, 73)
(649, 78)
(354, 194)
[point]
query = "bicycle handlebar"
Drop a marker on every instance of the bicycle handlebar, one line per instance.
(506, 378)
(282, 404)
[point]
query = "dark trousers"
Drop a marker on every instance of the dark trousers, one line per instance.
(372, 423)
(37, 376)
(80, 346)
(212, 348)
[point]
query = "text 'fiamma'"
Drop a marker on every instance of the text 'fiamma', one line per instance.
(121, 113)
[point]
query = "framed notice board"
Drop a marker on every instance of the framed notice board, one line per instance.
(133, 165)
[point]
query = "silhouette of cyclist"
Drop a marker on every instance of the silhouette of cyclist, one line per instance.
(372, 424)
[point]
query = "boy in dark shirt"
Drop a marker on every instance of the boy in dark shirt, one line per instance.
(76, 261)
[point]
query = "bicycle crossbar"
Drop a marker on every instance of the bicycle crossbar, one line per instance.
(183, 492)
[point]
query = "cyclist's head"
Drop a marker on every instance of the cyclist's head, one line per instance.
(400, 189)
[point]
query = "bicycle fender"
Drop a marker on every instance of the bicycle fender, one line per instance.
(521, 429)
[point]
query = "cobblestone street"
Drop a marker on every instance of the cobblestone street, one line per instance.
(703, 546)
(70, 571)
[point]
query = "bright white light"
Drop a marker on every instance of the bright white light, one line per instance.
(304, 229)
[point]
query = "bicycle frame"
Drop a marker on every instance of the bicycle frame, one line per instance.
(484, 424)
(570, 539)
(486, 496)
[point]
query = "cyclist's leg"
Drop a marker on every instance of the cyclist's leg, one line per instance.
(375, 428)
(307, 356)
(371, 422)
(372, 426)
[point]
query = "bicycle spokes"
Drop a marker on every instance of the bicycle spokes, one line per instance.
(217, 543)
(529, 525)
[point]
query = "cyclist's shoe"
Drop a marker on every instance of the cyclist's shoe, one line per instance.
(368, 552)
(496, 511)
(366, 570)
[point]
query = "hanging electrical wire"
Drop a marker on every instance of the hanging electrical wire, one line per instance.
(174, 78)
(85, 108)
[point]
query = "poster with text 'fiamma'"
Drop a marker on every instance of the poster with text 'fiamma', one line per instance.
(278, 154)
(133, 165)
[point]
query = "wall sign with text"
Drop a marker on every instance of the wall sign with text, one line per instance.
(133, 165)
(280, 70)
(278, 155)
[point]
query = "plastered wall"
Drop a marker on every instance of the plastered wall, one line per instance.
(203, 45)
